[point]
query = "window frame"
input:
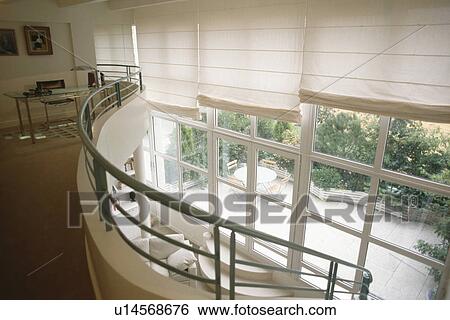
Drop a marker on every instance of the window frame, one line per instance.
(304, 155)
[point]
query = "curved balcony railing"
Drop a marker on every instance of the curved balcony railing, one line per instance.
(122, 83)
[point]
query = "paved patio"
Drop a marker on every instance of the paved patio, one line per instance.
(395, 276)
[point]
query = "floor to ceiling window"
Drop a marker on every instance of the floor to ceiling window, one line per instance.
(340, 160)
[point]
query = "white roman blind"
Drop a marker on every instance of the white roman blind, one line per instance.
(167, 40)
(113, 44)
(380, 56)
(251, 56)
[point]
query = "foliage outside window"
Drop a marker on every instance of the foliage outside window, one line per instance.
(328, 177)
(425, 209)
(231, 157)
(238, 122)
(419, 149)
(346, 134)
(194, 146)
(279, 131)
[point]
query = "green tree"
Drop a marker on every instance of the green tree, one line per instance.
(413, 149)
(438, 251)
(234, 121)
(347, 135)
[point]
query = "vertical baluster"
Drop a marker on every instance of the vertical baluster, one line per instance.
(86, 121)
(333, 281)
(217, 262)
(330, 276)
(118, 94)
(101, 187)
(366, 280)
(141, 86)
(232, 264)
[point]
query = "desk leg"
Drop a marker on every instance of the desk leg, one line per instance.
(33, 140)
(19, 115)
(76, 105)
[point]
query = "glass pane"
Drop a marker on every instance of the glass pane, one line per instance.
(413, 219)
(329, 240)
(196, 184)
(194, 146)
(233, 162)
(398, 277)
(148, 167)
(420, 149)
(275, 176)
(279, 131)
(346, 134)
(233, 121)
(167, 174)
(339, 194)
(272, 255)
(233, 202)
(234, 206)
(165, 136)
(273, 219)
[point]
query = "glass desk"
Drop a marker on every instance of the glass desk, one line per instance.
(19, 97)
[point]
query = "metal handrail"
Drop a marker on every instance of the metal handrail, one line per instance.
(101, 166)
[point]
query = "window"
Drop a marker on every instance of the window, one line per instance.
(329, 240)
(338, 194)
(279, 131)
(196, 184)
(346, 134)
(165, 136)
(233, 121)
(194, 146)
(419, 149)
(260, 179)
(238, 211)
(273, 219)
(409, 217)
(167, 174)
(275, 176)
(399, 277)
(233, 162)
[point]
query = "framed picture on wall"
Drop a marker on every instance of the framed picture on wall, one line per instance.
(39, 41)
(8, 44)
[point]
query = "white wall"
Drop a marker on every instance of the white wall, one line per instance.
(21, 72)
(72, 27)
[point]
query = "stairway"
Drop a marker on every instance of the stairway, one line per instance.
(243, 273)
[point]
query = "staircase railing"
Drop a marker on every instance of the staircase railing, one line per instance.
(124, 82)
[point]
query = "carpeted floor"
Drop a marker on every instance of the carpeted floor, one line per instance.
(40, 257)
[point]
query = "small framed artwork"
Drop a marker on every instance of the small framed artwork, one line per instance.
(39, 41)
(8, 44)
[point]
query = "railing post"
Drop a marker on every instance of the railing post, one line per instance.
(217, 262)
(333, 281)
(330, 276)
(88, 121)
(141, 86)
(128, 73)
(118, 94)
(232, 264)
(366, 280)
(101, 187)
